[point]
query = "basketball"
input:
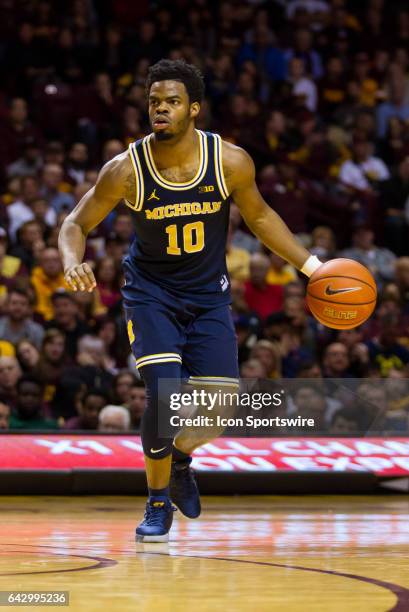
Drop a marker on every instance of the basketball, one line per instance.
(341, 294)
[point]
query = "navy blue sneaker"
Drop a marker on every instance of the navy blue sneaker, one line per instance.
(157, 521)
(183, 488)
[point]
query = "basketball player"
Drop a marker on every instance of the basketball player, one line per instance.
(177, 181)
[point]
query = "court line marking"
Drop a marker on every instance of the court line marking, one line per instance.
(401, 593)
(102, 562)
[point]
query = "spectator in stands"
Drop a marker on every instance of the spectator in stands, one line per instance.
(260, 297)
(364, 172)
(136, 403)
(303, 88)
(372, 403)
(52, 180)
(280, 272)
(335, 361)
(378, 260)
(30, 163)
(385, 350)
(309, 369)
(295, 199)
(111, 148)
(4, 415)
(332, 87)
(253, 368)
(114, 419)
(323, 243)
(28, 355)
(309, 402)
(396, 106)
(20, 211)
(348, 422)
(115, 247)
(268, 353)
(15, 130)
(122, 385)
(123, 227)
(66, 319)
(292, 351)
(10, 372)
(30, 243)
(303, 50)
(46, 279)
(108, 277)
(29, 407)
(264, 52)
(88, 409)
(358, 351)
(77, 162)
(53, 359)
(10, 267)
(92, 364)
(368, 87)
(17, 323)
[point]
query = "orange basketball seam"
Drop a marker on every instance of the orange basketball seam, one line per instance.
(341, 276)
(340, 303)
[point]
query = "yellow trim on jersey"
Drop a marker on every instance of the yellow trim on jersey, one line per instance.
(157, 358)
(203, 160)
(139, 182)
(218, 166)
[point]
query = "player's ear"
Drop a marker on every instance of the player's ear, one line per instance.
(194, 109)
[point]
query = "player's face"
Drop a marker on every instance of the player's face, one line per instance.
(170, 110)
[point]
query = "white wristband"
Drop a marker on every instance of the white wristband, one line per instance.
(312, 264)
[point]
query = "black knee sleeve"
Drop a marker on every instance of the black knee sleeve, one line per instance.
(154, 446)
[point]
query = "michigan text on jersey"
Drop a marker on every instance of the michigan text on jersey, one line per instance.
(181, 210)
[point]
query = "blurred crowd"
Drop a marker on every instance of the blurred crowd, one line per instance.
(317, 91)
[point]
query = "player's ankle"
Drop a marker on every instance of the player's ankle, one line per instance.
(159, 492)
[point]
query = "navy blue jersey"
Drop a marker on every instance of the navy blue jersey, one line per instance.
(181, 228)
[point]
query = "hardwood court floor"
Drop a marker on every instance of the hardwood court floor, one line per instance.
(298, 554)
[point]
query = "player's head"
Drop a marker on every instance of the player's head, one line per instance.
(175, 90)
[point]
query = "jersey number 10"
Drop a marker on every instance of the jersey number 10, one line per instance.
(193, 238)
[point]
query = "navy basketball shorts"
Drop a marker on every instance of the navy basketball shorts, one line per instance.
(202, 341)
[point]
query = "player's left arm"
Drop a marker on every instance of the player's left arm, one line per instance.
(265, 223)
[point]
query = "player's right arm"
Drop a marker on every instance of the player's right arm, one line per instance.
(115, 181)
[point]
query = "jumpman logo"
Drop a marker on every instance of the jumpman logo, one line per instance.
(153, 196)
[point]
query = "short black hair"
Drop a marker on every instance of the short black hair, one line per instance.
(30, 378)
(95, 391)
(178, 70)
(62, 294)
(139, 384)
(20, 291)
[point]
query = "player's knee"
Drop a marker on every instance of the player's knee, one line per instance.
(155, 448)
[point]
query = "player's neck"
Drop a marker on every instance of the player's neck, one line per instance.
(177, 149)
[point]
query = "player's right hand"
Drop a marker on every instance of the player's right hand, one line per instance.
(80, 277)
